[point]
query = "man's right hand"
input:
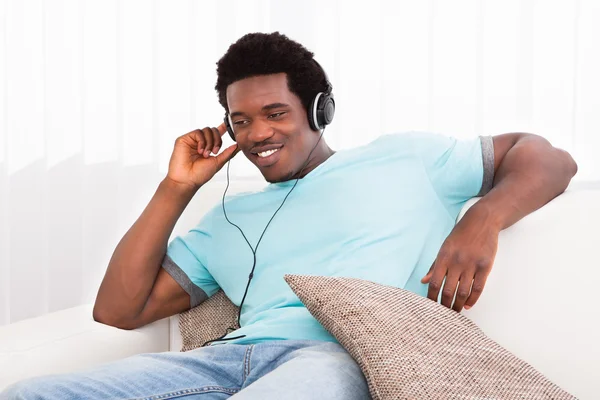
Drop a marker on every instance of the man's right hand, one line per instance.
(191, 163)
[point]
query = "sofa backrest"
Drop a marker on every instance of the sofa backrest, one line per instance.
(540, 298)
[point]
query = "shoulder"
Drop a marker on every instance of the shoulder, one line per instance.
(411, 139)
(428, 144)
(411, 143)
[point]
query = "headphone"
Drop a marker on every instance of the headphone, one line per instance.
(320, 111)
(320, 114)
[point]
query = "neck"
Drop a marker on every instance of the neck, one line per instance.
(319, 156)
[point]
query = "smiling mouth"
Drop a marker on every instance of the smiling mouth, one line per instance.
(267, 153)
(268, 157)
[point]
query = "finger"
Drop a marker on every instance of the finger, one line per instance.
(199, 137)
(226, 155)
(477, 289)
(437, 278)
(427, 276)
(208, 136)
(450, 287)
(217, 141)
(463, 291)
(222, 128)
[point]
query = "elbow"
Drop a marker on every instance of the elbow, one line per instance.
(566, 161)
(561, 159)
(565, 169)
(107, 317)
(555, 165)
(568, 164)
(104, 316)
(571, 165)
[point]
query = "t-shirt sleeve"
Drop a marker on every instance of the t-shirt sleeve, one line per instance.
(186, 261)
(458, 169)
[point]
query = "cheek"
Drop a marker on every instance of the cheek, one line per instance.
(301, 122)
(243, 145)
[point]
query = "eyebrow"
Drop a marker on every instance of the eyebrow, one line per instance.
(265, 108)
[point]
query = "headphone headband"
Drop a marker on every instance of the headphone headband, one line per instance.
(329, 85)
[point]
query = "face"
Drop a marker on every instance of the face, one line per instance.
(271, 126)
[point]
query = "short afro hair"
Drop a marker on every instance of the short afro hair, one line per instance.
(270, 53)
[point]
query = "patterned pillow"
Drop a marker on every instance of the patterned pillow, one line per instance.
(409, 347)
(207, 321)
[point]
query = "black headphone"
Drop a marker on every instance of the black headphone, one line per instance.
(320, 111)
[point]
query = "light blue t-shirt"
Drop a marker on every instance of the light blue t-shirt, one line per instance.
(378, 212)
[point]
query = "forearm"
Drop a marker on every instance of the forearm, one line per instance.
(136, 261)
(531, 174)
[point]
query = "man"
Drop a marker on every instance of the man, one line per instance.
(383, 212)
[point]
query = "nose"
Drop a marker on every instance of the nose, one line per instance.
(260, 130)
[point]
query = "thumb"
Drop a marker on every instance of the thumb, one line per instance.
(427, 277)
(226, 155)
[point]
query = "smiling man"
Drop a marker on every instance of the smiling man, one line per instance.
(384, 212)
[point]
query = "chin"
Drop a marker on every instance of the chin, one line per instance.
(276, 176)
(275, 179)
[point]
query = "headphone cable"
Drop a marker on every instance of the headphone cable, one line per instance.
(254, 250)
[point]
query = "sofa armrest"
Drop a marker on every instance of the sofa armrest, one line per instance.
(539, 301)
(70, 340)
(175, 340)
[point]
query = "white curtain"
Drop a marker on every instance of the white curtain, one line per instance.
(94, 93)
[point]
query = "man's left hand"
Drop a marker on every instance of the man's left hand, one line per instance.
(464, 260)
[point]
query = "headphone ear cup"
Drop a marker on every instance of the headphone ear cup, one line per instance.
(327, 110)
(228, 126)
(323, 111)
(312, 112)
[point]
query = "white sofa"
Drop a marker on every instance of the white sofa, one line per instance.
(540, 303)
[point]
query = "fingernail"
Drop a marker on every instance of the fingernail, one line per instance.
(467, 307)
(206, 153)
(215, 150)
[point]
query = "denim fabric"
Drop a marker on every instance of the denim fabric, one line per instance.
(282, 369)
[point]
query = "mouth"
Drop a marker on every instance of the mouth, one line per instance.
(268, 157)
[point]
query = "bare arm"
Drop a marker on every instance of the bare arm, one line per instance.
(136, 262)
(529, 172)
(136, 290)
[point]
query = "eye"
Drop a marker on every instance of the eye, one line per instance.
(240, 122)
(276, 115)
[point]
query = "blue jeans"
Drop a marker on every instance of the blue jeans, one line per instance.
(281, 369)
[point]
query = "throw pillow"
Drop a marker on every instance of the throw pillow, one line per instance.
(409, 347)
(207, 321)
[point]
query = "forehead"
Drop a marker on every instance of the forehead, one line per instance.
(251, 94)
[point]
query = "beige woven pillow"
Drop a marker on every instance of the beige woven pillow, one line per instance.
(409, 347)
(207, 321)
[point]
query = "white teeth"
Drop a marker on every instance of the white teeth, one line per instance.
(267, 153)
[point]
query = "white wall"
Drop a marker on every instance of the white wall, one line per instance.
(94, 92)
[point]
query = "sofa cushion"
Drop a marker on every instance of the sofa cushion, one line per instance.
(411, 347)
(207, 321)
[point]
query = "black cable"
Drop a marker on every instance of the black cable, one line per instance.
(227, 331)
